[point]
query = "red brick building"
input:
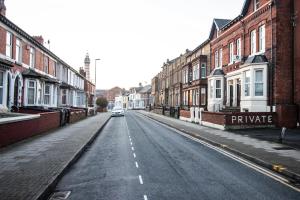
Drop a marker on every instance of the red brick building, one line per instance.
(255, 62)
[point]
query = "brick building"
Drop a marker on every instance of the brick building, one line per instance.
(252, 66)
(33, 76)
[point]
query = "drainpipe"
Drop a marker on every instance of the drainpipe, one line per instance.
(272, 64)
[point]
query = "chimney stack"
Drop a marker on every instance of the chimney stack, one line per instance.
(40, 38)
(2, 8)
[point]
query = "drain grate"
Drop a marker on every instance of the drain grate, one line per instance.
(283, 148)
(60, 195)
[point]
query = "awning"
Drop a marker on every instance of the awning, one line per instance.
(5, 64)
(33, 74)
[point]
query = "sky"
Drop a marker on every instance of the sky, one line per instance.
(133, 38)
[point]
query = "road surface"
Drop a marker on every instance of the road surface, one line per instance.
(135, 158)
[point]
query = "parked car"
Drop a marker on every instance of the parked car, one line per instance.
(117, 111)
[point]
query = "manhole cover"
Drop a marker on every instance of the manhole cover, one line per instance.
(283, 148)
(60, 195)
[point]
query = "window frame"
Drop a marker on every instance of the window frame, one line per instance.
(9, 47)
(34, 87)
(48, 95)
(203, 70)
(260, 82)
(238, 48)
(2, 88)
(231, 53)
(262, 38)
(32, 57)
(217, 59)
(247, 82)
(19, 50)
(218, 89)
(253, 49)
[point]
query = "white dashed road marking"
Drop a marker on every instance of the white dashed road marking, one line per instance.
(145, 197)
(141, 180)
(134, 155)
(132, 148)
(137, 165)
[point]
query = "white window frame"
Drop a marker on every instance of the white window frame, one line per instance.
(195, 72)
(217, 59)
(231, 53)
(261, 82)
(34, 91)
(220, 57)
(47, 95)
(238, 48)
(2, 87)
(18, 50)
(8, 51)
(218, 88)
(253, 42)
(211, 89)
(32, 57)
(247, 84)
(262, 39)
(256, 4)
(203, 70)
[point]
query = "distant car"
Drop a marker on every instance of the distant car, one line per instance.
(117, 111)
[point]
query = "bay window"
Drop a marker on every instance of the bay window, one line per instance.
(47, 94)
(196, 72)
(218, 89)
(31, 92)
(203, 70)
(259, 84)
(203, 96)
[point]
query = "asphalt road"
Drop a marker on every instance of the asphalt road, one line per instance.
(135, 158)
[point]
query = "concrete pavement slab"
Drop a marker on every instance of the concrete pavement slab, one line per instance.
(30, 168)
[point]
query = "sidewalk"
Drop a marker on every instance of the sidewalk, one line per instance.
(278, 157)
(29, 169)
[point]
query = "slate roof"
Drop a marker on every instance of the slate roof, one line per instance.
(256, 59)
(34, 74)
(145, 89)
(220, 23)
(217, 72)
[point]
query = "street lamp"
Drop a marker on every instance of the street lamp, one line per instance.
(96, 70)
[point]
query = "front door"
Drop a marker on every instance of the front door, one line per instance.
(238, 91)
(230, 95)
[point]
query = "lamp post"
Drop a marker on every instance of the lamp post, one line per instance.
(95, 80)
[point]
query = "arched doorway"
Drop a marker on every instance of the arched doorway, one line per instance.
(16, 91)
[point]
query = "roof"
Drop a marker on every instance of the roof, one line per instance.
(34, 74)
(145, 89)
(5, 64)
(217, 72)
(18, 30)
(200, 46)
(256, 59)
(217, 24)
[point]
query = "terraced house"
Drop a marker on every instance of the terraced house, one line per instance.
(31, 76)
(252, 61)
(252, 70)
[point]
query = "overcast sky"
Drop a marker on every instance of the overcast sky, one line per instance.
(131, 37)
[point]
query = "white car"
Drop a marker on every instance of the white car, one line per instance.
(117, 111)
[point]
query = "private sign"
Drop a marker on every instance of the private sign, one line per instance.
(252, 119)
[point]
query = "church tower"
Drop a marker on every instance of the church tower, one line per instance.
(87, 63)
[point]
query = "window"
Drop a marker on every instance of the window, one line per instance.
(64, 97)
(231, 52)
(238, 48)
(218, 89)
(256, 4)
(31, 90)
(78, 99)
(32, 57)
(211, 88)
(216, 59)
(261, 41)
(19, 51)
(193, 97)
(220, 57)
(1, 86)
(253, 41)
(47, 94)
(203, 96)
(55, 69)
(197, 97)
(203, 70)
(259, 85)
(9, 44)
(46, 64)
(196, 72)
(247, 83)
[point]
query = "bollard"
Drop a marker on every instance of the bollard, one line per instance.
(282, 134)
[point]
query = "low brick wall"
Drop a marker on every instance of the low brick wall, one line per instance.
(16, 131)
(213, 117)
(185, 113)
(76, 115)
(158, 111)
